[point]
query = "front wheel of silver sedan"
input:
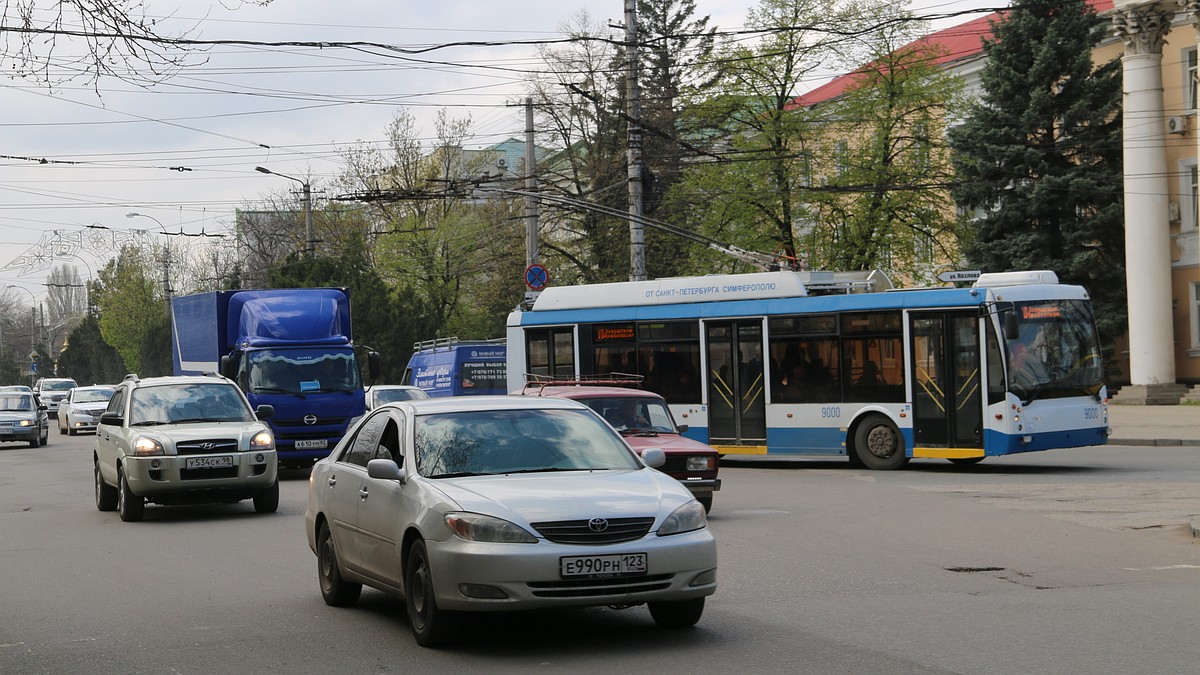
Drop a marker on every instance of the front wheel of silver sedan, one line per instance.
(677, 613)
(335, 590)
(431, 626)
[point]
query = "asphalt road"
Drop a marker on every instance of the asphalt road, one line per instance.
(1072, 561)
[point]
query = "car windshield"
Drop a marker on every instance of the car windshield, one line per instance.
(91, 395)
(303, 371)
(17, 403)
(633, 414)
(184, 403)
(490, 442)
(391, 395)
(58, 385)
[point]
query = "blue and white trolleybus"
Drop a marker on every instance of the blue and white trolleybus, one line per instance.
(820, 363)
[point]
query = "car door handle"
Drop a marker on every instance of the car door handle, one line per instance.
(362, 494)
(332, 481)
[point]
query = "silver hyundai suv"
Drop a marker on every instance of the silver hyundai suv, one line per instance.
(183, 440)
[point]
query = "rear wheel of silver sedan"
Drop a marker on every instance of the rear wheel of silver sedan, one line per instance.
(106, 495)
(431, 626)
(677, 613)
(130, 506)
(335, 590)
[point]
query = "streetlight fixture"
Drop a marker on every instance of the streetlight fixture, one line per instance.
(307, 203)
(166, 260)
(32, 317)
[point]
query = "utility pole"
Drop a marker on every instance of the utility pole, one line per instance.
(531, 204)
(637, 241)
(309, 245)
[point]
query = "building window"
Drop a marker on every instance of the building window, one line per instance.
(1195, 311)
(1189, 86)
(1189, 194)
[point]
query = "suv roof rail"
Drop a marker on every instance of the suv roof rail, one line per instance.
(131, 376)
(540, 382)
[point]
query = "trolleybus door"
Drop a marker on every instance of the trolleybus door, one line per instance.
(947, 402)
(737, 410)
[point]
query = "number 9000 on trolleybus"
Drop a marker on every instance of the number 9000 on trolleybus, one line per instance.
(820, 363)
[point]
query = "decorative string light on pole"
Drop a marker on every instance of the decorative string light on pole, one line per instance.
(307, 205)
(166, 260)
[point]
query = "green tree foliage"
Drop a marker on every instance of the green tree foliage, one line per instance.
(751, 189)
(578, 99)
(88, 358)
(677, 69)
(882, 169)
(130, 305)
(1039, 157)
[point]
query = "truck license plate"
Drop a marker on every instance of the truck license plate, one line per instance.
(625, 564)
(314, 444)
(222, 462)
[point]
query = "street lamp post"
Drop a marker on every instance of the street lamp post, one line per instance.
(307, 204)
(32, 318)
(166, 260)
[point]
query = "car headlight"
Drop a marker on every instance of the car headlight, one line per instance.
(144, 446)
(263, 440)
(701, 463)
(27, 423)
(478, 527)
(686, 518)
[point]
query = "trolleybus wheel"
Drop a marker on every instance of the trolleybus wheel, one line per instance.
(878, 445)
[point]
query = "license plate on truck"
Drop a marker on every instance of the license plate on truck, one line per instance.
(315, 444)
(586, 566)
(223, 462)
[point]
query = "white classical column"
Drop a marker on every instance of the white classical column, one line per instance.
(1147, 232)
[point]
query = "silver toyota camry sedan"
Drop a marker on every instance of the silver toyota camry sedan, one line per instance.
(504, 503)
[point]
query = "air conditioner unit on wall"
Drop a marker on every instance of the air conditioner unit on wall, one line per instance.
(1176, 124)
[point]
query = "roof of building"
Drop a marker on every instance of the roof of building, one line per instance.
(956, 43)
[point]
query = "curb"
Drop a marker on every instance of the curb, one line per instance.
(1163, 442)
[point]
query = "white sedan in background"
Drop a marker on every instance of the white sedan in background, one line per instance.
(499, 503)
(80, 409)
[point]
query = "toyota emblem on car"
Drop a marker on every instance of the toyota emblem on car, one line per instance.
(598, 524)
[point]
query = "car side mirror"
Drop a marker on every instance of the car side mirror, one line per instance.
(374, 365)
(112, 419)
(264, 411)
(681, 428)
(386, 469)
(654, 457)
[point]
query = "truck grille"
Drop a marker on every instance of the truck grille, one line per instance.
(207, 447)
(321, 421)
(579, 532)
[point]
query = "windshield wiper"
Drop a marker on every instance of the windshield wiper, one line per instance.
(272, 390)
(548, 469)
(459, 474)
(148, 423)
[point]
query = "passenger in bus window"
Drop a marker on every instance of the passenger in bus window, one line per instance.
(869, 376)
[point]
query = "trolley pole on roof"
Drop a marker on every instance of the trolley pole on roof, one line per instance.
(637, 242)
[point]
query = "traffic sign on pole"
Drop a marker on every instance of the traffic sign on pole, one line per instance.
(536, 277)
(960, 275)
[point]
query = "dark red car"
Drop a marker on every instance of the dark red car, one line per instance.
(645, 421)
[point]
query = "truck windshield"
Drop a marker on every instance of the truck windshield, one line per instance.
(303, 371)
(1057, 352)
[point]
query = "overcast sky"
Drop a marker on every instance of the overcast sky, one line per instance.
(114, 148)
